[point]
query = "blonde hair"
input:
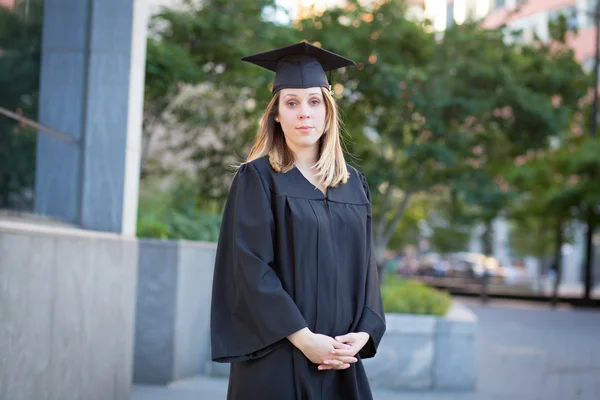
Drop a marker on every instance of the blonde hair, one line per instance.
(270, 140)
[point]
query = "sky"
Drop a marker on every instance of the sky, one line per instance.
(437, 8)
(291, 6)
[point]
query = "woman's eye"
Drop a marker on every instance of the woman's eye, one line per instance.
(291, 103)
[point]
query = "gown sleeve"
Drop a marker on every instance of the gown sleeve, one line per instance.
(250, 310)
(372, 318)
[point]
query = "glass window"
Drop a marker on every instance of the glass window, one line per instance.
(528, 34)
(588, 64)
(590, 9)
(498, 4)
(570, 13)
(20, 46)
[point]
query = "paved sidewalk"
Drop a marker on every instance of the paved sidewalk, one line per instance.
(524, 352)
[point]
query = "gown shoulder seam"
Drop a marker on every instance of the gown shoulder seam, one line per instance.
(262, 180)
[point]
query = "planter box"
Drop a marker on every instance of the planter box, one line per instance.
(426, 352)
(173, 310)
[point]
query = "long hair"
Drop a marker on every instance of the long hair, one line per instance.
(270, 140)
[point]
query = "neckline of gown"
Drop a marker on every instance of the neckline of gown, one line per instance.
(325, 196)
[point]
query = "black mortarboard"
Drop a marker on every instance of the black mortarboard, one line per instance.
(300, 65)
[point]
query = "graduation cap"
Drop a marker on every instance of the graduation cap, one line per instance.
(300, 65)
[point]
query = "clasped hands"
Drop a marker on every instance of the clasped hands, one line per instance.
(327, 352)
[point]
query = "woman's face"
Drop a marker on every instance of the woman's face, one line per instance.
(302, 117)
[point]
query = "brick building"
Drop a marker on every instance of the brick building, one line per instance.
(532, 16)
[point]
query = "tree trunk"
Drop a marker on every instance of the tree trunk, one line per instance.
(382, 234)
(379, 259)
(146, 148)
(488, 249)
(149, 127)
(389, 232)
(557, 261)
(488, 238)
(589, 256)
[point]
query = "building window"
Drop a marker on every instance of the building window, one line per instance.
(570, 13)
(471, 10)
(495, 4)
(588, 64)
(528, 34)
(590, 9)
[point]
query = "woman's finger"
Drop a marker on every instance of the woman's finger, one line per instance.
(333, 361)
(340, 345)
(343, 366)
(347, 360)
(344, 352)
(345, 338)
(336, 367)
(340, 360)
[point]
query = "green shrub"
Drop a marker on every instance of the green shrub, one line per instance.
(177, 213)
(151, 226)
(412, 297)
(196, 225)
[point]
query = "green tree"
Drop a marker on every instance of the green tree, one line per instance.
(581, 194)
(210, 124)
(558, 186)
(174, 214)
(534, 94)
(423, 112)
(393, 104)
(550, 195)
(452, 223)
(420, 112)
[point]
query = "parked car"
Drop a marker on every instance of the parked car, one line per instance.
(426, 264)
(474, 266)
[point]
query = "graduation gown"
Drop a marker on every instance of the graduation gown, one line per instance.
(288, 258)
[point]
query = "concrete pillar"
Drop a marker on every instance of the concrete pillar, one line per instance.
(91, 87)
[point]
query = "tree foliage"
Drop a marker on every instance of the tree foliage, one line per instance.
(208, 126)
(426, 115)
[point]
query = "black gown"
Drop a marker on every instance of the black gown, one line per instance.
(290, 258)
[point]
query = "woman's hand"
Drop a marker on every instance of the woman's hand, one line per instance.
(355, 342)
(319, 349)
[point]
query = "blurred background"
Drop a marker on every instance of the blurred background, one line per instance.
(474, 121)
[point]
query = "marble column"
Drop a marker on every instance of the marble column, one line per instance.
(91, 88)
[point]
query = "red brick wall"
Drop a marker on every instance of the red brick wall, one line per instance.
(583, 43)
(499, 15)
(8, 3)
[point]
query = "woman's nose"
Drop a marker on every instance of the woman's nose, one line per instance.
(304, 111)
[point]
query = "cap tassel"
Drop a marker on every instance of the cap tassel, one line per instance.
(330, 87)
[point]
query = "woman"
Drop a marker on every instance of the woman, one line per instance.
(296, 302)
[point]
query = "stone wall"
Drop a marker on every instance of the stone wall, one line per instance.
(67, 302)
